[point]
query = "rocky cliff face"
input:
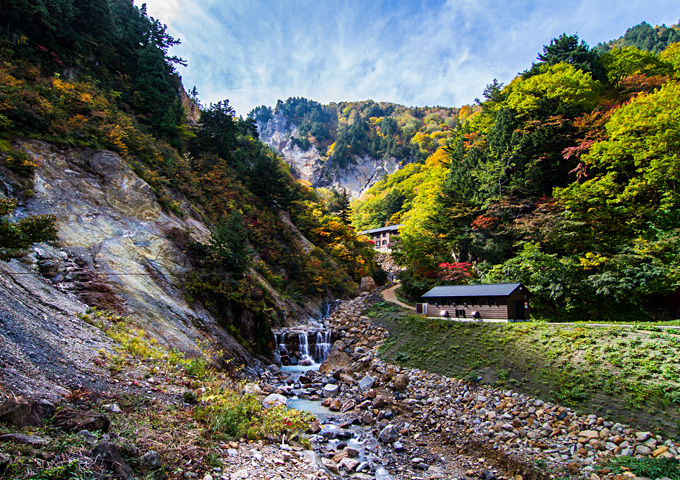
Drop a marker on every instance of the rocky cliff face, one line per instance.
(311, 166)
(118, 249)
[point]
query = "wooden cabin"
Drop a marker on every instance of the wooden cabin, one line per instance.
(384, 238)
(498, 302)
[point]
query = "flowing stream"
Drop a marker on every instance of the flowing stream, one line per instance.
(301, 350)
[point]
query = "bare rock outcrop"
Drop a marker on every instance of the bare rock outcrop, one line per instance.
(117, 250)
(45, 350)
(311, 166)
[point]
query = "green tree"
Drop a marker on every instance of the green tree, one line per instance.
(568, 49)
(18, 235)
(217, 130)
(621, 63)
(270, 182)
(344, 208)
(228, 244)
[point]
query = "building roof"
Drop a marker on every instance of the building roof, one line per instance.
(391, 228)
(488, 290)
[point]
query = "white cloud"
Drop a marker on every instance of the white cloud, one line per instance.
(164, 10)
(415, 53)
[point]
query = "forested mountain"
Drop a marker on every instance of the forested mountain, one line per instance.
(565, 180)
(644, 37)
(327, 145)
(83, 75)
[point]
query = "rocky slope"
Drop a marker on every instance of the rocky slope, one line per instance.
(310, 165)
(45, 350)
(118, 249)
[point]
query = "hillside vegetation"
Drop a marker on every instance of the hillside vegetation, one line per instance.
(98, 75)
(626, 373)
(379, 130)
(644, 37)
(565, 179)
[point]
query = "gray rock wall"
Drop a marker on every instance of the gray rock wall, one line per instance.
(311, 166)
(115, 247)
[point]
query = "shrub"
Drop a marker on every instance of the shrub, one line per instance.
(231, 414)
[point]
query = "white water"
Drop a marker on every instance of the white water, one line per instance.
(306, 359)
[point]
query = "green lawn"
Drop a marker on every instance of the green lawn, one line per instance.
(626, 373)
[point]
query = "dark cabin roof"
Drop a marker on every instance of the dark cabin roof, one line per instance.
(391, 228)
(488, 290)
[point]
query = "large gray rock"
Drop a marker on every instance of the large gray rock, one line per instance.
(23, 438)
(331, 390)
(366, 383)
(401, 382)
(274, 399)
(151, 459)
(71, 420)
(109, 455)
(21, 412)
(389, 434)
(367, 284)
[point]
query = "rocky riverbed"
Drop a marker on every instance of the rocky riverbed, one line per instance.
(416, 424)
(376, 421)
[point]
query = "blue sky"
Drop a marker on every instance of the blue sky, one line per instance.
(415, 53)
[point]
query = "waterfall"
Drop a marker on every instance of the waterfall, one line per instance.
(302, 349)
(323, 345)
(303, 342)
(328, 307)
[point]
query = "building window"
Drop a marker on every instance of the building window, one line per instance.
(384, 242)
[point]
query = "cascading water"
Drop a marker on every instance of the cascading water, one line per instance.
(303, 343)
(323, 344)
(302, 349)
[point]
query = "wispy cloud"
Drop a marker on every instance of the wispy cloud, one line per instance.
(428, 52)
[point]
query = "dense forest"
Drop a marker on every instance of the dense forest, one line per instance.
(565, 179)
(97, 74)
(644, 37)
(341, 131)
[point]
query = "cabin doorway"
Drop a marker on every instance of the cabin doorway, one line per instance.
(519, 310)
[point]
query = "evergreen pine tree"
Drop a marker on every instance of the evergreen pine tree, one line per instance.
(344, 209)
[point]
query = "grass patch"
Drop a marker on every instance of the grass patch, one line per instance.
(189, 436)
(646, 467)
(627, 373)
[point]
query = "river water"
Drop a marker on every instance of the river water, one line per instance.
(304, 350)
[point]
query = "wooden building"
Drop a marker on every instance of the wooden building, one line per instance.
(499, 302)
(384, 238)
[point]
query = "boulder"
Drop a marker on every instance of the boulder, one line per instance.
(22, 412)
(389, 434)
(109, 455)
(401, 382)
(336, 359)
(274, 399)
(151, 459)
(24, 438)
(71, 420)
(348, 464)
(367, 284)
(366, 383)
(331, 390)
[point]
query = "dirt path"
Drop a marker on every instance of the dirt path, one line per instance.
(390, 296)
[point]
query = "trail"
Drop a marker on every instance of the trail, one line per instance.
(390, 296)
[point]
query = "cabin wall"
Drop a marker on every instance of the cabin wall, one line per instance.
(520, 297)
(487, 308)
